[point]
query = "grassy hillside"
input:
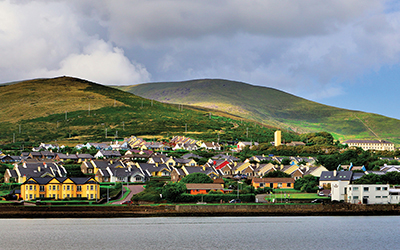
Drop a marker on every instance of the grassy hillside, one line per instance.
(48, 110)
(273, 107)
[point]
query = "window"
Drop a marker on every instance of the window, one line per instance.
(279, 185)
(54, 196)
(261, 184)
(377, 197)
(366, 189)
(30, 196)
(54, 187)
(41, 195)
(91, 196)
(41, 188)
(378, 189)
(30, 187)
(355, 188)
(355, 197)
(384, 188)
(79, 188)
(67, 187)
(289, 185)
(384, 197)
(91, 187)
(67, 195)
(72, 188)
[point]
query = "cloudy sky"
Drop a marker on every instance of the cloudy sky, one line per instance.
(344, 53)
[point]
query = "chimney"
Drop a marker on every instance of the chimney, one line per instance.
(334, 172)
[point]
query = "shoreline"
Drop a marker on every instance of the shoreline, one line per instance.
(196, 211)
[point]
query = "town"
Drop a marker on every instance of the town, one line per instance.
(185, 170)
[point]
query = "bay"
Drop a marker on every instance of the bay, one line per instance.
(325, 232)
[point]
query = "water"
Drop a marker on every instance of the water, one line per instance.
(372, 232)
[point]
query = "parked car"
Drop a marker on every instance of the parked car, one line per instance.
(127, 202)
(321, 194)
(235, 201)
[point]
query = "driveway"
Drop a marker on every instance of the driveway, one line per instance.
(260, 198)
(134, 189)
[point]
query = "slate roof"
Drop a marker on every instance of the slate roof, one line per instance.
(340, 175)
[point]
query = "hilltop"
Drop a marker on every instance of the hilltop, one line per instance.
(75, 110)
(273, 107)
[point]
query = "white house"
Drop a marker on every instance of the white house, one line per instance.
(361, 193)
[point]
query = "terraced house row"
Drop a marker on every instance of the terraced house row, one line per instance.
(60, 188)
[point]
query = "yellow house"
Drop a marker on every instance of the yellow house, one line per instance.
(60, 188)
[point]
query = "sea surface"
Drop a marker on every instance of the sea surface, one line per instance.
(361, 232)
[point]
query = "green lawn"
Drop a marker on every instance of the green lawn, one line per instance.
(307, 196)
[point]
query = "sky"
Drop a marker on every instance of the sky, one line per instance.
(343, 53)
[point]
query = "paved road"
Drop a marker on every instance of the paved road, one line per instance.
(134, 190)
(261, 198)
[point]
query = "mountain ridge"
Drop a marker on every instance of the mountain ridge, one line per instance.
(271, 106)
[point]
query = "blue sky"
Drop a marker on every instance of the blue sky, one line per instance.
(344, 53)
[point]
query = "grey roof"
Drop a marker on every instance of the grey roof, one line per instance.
(190, 155)
(340, 175)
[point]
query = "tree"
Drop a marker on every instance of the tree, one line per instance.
(285, 161)
(173, 190)
(277, 174)
(308, 183)
(197, 178)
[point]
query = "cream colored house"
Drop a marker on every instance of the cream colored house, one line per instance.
(371, 144)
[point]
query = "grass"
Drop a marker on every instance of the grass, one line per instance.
(273, 107)
(112, 112)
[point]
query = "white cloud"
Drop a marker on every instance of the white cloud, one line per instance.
(47, 39)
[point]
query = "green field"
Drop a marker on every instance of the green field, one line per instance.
(68, 110)
(273, 107)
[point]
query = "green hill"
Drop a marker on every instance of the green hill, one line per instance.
(72, 110)
(273, 107)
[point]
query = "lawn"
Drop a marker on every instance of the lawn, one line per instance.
(306, 196)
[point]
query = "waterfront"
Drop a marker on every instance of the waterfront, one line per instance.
(325, 232)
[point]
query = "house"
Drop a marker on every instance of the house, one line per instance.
(107, 154)
(210, 171)
(203, 188)
(185, 162)
(60, 188)
(371, 144)
(242, 144)
(177, 174)
(328, 178)
(191, 156)
(361, 193)
(65, 157)
(210, 146)
(263, 169)
(295, 143)
(23, 171)
(273, 182)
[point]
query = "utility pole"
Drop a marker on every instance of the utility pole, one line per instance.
(13, 137)
(66, 116)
